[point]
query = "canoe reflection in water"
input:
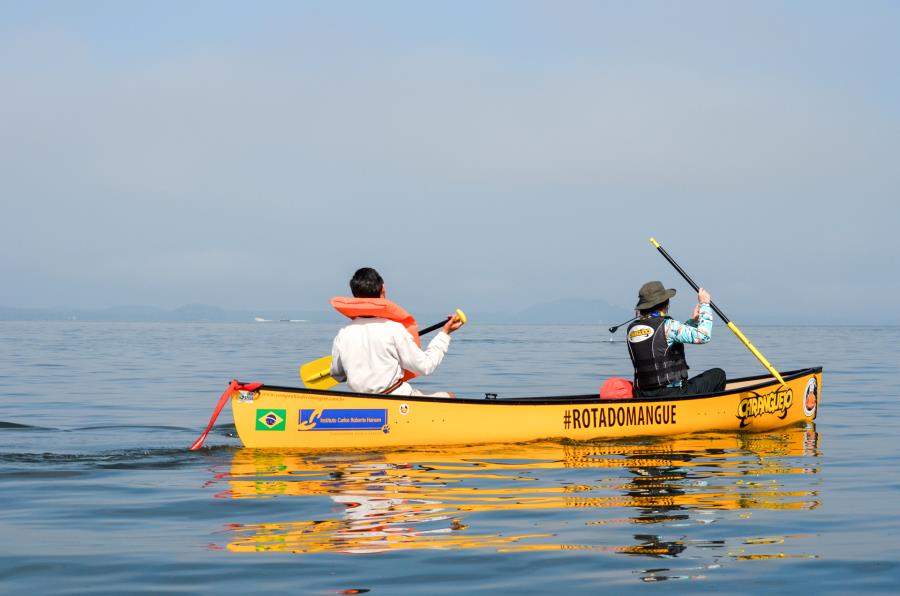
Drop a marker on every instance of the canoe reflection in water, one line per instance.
(584, 496)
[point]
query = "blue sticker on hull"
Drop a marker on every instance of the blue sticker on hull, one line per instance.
(343, 419)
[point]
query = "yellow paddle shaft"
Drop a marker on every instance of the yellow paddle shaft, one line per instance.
(756, 352)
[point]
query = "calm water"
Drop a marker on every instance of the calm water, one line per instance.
(100, 494)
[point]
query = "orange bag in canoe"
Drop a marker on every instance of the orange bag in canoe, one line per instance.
(616, 388)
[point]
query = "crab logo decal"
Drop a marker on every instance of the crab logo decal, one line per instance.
(811, 398)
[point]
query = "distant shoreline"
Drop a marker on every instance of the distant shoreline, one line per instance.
(563, 312)
(574, 311)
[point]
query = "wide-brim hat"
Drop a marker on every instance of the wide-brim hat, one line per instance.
(653, 293)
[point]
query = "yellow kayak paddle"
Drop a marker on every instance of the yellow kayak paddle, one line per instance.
(730, 325)
(317, 374)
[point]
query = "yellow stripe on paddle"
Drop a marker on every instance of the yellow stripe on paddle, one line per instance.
(730, 325)
(317, 374)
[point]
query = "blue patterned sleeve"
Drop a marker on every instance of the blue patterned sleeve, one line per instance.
(693, 331)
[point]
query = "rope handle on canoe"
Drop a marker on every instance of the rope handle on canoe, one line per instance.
(233, 387)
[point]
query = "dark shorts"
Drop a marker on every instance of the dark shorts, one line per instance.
(710, 381)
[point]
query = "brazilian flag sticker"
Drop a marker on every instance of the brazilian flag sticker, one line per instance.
(270, 419)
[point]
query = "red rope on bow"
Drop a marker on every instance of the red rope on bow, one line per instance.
(223, 399)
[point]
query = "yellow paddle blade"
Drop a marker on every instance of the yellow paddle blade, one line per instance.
(317, 374)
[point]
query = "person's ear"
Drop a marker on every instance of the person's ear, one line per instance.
(382, 291)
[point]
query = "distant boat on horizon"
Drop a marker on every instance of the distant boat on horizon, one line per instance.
(262, 320)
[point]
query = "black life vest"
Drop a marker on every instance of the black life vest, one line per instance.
(655, 363)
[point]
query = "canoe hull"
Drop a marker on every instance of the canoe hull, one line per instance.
(292, 418)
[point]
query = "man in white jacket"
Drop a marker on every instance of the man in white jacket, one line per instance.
(373, 352)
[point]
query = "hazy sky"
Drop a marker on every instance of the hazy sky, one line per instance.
(486, 155)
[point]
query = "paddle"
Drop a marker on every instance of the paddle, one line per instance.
(730, 325)
(317, 374)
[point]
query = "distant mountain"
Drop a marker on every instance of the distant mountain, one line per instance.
(118, 313)
(198, 312)
(202, 313)
(574, 311)
(561, 312)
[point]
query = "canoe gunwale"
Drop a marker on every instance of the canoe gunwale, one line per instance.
(765, 381)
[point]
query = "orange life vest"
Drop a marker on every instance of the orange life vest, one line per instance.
(379, 307)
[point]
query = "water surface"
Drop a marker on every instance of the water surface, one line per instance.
(101, 495)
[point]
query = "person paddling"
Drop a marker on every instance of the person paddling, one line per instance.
(380, 350)
(656, 345)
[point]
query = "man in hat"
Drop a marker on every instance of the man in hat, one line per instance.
(656, 345)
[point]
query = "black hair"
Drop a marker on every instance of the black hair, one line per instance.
(661, 306)
(366, 283)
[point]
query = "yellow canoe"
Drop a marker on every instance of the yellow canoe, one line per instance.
(294, 418)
